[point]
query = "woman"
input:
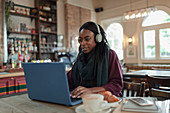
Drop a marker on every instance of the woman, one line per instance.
(97, 67)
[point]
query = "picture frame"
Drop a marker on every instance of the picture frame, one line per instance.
(131, 51)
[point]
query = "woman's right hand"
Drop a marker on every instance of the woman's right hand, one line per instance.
(79, 91)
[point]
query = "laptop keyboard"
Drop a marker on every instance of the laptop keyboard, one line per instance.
(75, 99)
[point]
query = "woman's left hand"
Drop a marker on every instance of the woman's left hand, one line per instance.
(79, 91)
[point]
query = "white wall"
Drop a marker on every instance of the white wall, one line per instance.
(114, 8)
(87, 4)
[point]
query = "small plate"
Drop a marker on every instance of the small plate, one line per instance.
(115, 104)
(80, 109)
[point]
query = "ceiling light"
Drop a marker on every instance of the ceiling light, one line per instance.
(139, 13)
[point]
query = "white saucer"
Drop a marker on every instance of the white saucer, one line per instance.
(80, 109)
(115, 104)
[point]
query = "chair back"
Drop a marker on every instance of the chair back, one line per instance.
(159, 87)
(132, 89)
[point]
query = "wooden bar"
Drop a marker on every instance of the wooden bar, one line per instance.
(12, 74)
(12, 83)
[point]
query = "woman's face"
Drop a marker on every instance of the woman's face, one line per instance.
(86, 40)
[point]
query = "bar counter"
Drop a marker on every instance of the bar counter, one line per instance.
(15, 74)
(11, 83)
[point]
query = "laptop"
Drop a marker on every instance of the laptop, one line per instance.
(48, 82)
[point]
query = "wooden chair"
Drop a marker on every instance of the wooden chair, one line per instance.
(132, 89)
(159, 87)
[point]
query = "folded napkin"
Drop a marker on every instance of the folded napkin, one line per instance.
(164, 105)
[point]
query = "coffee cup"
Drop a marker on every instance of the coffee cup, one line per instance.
(94, 103)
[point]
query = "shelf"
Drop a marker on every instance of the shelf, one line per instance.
(22, 6)
(32, 52)
(20, 14)
(47, 14)
(54, 22)
(52, 33)
(47, 52)
(48, 11)
(13, 32)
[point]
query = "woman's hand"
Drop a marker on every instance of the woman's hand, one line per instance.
(80, 91)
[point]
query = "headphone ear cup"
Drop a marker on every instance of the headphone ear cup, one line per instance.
(98, 38)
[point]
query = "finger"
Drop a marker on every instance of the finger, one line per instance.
(75, 91)
(83, 92)
(79, 93)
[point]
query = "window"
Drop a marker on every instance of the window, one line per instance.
(158, 17)
(164, 39)
(156, 36)
(149, 44)
(115, 38)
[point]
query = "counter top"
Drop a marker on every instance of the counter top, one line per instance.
(2, 70)
(3, 75)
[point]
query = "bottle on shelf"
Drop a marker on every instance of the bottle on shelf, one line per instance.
(35, 48)
(19, 45)
(30, 47)
(25, 46)
(15, 45)
(22, 47)
(28, 11)
(12, 64)
(12, 60)
(20, 59)
(27, 57)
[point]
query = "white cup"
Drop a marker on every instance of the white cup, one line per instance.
(94, 103)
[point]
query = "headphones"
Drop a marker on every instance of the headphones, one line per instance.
(99, 35)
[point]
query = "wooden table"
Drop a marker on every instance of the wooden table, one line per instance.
(164, 108)
(22, 104)
(142, 73)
